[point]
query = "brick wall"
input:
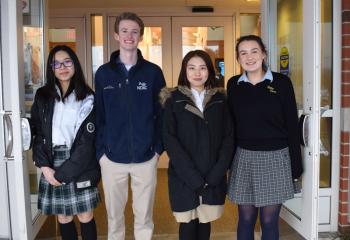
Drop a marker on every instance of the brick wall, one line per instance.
(343, 222)
(343, 216)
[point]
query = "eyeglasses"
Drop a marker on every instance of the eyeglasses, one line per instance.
(58, 65)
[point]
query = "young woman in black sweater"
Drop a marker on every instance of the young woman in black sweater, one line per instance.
(63, 123)
(198, 137)
(268, 154)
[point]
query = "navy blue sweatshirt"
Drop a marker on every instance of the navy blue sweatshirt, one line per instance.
(128, 112)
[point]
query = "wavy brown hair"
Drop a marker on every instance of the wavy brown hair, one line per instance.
(129, 16)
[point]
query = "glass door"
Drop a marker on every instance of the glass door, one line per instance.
(29, 82)
(21, 74)
(70, 31)
(211, 34)
(294, 44)
(5, 227)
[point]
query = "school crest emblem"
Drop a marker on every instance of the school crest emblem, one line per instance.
(90, 127)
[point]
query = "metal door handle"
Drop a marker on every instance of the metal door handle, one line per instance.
(323, 149)
(26, 134)
(9, 145)
(304, 129)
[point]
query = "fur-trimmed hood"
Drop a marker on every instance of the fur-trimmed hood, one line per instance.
(166, 93)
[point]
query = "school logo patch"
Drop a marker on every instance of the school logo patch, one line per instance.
(141, 86)
(90, 127)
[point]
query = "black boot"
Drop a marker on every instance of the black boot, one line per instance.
(68, 231)
(88, 230)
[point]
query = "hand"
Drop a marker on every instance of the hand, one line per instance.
(201, 189)
(49, 176)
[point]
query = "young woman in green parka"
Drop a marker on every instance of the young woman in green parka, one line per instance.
(198, 137)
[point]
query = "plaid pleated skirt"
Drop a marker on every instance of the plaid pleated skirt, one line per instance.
(65, 199)
(260, 178)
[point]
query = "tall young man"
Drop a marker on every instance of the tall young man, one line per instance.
(128, 122)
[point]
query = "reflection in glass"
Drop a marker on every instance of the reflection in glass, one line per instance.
(290, 53)
(325, 152)
(62, 36)
(289, 45)
(250, 24)
(326, 53)
(326, 93)
(96, 42)
(33, 48)
(209, 39)
(151, 45)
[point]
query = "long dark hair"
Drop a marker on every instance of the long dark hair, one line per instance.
(77, 83)
(211, 82)
(259, 41)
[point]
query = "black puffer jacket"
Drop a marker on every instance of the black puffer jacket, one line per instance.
(199, 145)
(82, 168)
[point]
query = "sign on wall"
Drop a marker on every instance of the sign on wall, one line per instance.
(284, 61)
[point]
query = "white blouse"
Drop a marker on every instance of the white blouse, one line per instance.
(199, 98)
(64, 121)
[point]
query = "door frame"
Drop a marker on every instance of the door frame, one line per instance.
(311, 67)
(20, 221)
(14, 166)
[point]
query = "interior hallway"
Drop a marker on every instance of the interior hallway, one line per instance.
(165, 226)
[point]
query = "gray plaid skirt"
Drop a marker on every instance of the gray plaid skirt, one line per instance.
(65, 199)
(260, 178)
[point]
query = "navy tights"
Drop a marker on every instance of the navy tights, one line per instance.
(269, 216)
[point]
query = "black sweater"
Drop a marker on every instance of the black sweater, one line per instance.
(265, 116)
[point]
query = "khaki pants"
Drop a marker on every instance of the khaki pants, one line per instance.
(115, 178)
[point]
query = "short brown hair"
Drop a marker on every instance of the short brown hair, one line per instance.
(129, 16)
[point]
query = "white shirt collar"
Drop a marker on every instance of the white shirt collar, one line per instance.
(268, 76)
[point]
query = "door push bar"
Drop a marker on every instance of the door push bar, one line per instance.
(25, 132)
(304, 133)
(304, 129)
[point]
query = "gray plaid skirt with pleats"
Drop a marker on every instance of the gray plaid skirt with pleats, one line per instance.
(260, 178)
(65, 199)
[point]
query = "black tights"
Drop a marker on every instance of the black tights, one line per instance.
(194, 230)
(269, 216)
(88, 230)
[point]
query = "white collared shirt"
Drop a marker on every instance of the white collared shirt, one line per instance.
(199, 98)
(64, 121)
(268, 76)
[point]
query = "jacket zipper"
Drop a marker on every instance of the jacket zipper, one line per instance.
(130, 146)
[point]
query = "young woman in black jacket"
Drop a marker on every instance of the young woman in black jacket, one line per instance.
(63, 122)
(198, 137)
